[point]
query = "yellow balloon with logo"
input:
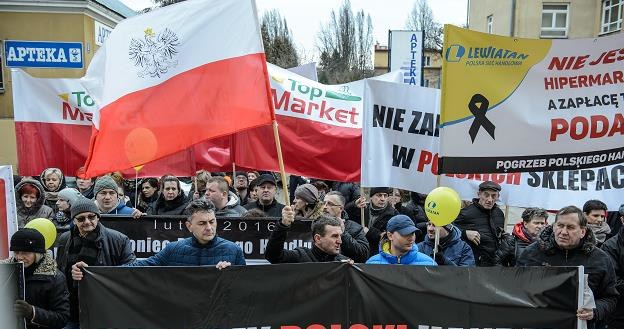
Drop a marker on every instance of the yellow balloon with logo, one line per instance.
(442, 206)
(46, 228)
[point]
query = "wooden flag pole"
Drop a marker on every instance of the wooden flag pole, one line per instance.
(280, 159)
(362, 209)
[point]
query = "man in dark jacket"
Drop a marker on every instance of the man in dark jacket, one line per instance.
(46, 303)
(326, 239)
(524, 233)
(354, 243)
(614, 247)
(89, 243)
(482, 224)
(377, 213)
(452, 250)
(569, 242)
(266, 196)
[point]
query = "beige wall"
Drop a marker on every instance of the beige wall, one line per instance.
(8, 149)
(381, 61)
(500, 11)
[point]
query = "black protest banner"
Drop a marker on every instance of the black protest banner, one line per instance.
(150, 234)
(12, 283)
(329, 296)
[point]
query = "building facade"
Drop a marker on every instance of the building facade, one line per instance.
(536, 19)
(28, 28)
(432, 65)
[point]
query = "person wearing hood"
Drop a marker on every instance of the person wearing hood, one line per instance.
(30, 199)
(62, 219)
(569, 242)
(148, 195)
(172, 200)
(596, 213)
(398, 247)
(84, 185)
(307, 202)
(524, 233)
(46, 302)
(452, 250)
(267, 188)
(107, 198)
(377, 213)
(53, 181)
(226, 202)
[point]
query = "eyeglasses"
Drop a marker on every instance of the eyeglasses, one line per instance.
(81, 219)
(329, 204)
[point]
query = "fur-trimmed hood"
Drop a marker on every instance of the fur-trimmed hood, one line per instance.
(38, 203)
(46, 267)
(547, 243)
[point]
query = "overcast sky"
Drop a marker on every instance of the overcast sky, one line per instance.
(305, 17)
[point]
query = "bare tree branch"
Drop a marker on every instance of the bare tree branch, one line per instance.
(421, 19)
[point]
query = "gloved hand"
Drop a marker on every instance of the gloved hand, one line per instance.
(439, 258)
(23, 309)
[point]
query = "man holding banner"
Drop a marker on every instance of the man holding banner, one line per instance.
(569, 242)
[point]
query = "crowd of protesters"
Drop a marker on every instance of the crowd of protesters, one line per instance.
(387, 226)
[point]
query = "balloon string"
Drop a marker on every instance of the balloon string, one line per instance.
(437, 241)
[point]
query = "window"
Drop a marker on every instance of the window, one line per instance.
(427, 61)
(426, 83)
(611, 16)
(554, 21)
(490, 21)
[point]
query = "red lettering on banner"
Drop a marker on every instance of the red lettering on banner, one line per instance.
(323, 110)
(580, 127)
(428, 158)
(75, 114)
(353, 326)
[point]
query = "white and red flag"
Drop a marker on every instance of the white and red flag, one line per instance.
(174, 77)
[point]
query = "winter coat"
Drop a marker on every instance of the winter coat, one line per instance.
(512, 246)
(89, 193)
(413, 257)
(275, 252)
(46, 290)
(379, 225)
(120, 209)
(490, 225)
(147, 205)
(413, 211)
(189, 252)
(354, 243)
(232, 208)
(272, 210)
(38, 209)
(598, 266)
(456, 252)
(173, 207)
(614, 247)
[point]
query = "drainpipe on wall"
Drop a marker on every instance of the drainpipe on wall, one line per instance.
(512, 26)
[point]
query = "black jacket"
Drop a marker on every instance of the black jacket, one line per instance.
(512, 246)
(379, 225)
(354, 243)
(490, 225)
(275, 252)
(173, 207)
(351, 192)
(272, 210)
(614, 247)
(546, 252)
(47, 292)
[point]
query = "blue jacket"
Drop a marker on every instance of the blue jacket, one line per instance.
(121, 209)
(189, 252)
(455, 250)
(413, 257)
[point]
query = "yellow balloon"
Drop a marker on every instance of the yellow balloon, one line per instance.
(46, 228)
(442, 206)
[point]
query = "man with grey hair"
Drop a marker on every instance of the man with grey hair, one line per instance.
(524, 233)
(354, 242)
(569, 242)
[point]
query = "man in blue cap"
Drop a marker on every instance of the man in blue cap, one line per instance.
(397, 245)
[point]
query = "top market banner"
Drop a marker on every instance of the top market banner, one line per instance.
(518, 105)
(8, 211)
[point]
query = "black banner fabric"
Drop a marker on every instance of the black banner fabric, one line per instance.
(11, 289)
(329, 296)
(150, 234)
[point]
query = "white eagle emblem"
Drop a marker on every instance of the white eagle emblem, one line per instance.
(154, 54)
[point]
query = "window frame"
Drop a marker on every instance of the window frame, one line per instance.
(552, 27)
(605, 27)
(489, 21)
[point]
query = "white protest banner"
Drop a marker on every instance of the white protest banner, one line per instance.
(520, 105)
(8, 211)
(306, 70)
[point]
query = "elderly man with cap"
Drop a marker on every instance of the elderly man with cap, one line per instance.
(482, 224)
(46, 303)
(267, 188)
(89, 243)
(107, 198)
(307, 203)
(377, 213)
(398, 245)
(62, 218)
(452, 250)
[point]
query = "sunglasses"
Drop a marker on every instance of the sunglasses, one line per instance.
(81, 219)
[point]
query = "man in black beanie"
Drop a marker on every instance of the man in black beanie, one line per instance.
(89, 243)
(46, 301)
(377, 213)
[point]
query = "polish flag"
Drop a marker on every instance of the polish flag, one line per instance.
(174, 77)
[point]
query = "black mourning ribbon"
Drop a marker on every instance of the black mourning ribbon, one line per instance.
(479, 116)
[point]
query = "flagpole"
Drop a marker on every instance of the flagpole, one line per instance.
(362, 209)
(280, 159)
(136, 189)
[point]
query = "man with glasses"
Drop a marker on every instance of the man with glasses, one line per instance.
(482, 224)
(354, 243)
(89, 243)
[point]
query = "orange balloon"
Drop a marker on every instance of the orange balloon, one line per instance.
(140, 146)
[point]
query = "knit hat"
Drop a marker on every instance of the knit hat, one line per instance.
(104, 182)
(29, 240)
(82, 205)
(621, 211)
(69, 194)
(308, 193)
(375, 190)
